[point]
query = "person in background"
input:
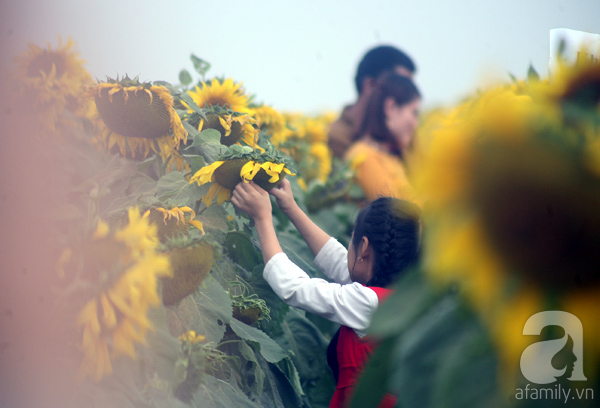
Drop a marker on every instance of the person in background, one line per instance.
(384, 244)
(377, 61)
(386, 137)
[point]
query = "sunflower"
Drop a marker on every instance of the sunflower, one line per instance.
(191, 260)
(266, 168)
(126, 266)
(511, 208)
(226, 94)
(50, 80)
(273, 123)
(233, 126)
(137, 117)
(320, 161)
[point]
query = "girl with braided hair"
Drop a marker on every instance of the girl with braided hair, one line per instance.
(385, 242)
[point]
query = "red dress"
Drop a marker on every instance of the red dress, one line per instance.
(352, 355)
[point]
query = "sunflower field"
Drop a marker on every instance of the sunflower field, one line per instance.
(132, 281)
(153, 279)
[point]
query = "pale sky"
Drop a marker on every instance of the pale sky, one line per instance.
(302, 55)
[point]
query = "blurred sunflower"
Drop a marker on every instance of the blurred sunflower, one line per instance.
(319, 163)
(50, 80)
(511, 209)
(126, 266)
(273, 123)
(226, 94)
(137, 117)
(266, 168)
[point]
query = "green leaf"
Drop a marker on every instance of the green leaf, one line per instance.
(191, 104)
(269, 349)
(215, 393)
(240, 249)
(195, 161)
(170, 184)
(422, 350)
(288, 368)
(252, 374)
(307, 344)
(185, 78)
(215, 309)
(373, 383)
(207, 136)
(413, 295)
(200, 65)
(532, 74)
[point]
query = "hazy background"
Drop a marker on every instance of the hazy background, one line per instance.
(302, 55)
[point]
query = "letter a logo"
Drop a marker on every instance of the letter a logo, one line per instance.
(536, 359)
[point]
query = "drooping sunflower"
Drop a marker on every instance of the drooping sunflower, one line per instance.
(191, 260)
(172, 223)
(511, 209)
(226, 94)
(137, 118)
(124, 266)
(51, 80)
(267, 168)
(234, 127)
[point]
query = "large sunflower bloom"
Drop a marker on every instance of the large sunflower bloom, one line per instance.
(511, 207)
(225, 174)
(226, 94)
(115, 319)
(51, 80)
(138, 118)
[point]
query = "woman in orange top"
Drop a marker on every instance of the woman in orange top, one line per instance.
(386, 135)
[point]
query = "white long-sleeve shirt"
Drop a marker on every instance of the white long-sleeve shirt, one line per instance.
(342, 301)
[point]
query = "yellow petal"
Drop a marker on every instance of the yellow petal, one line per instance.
(109, 317)
(101, 230)
(197, 224)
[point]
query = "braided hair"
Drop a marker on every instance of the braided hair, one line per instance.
(393, 228)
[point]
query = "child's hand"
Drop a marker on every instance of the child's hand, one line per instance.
(253, 200)
(284, 196)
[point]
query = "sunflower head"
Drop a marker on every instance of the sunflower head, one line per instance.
(137, 117)
(273, 123)
(172, 223)
(50, 81)
(233, 126)
(191, 260)
(538, 203)
(267, 168)
(123, 266)
(248, 308)
(226, 94)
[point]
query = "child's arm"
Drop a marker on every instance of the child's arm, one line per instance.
(314, 236)
(256, 202)
(351, 305)
(330, 255)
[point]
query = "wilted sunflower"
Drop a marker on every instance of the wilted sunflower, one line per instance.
(234, 127)
(239, 164)
(137, 117)
(226, 94)
(512, 215)
(126, 267)
(51, 80)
